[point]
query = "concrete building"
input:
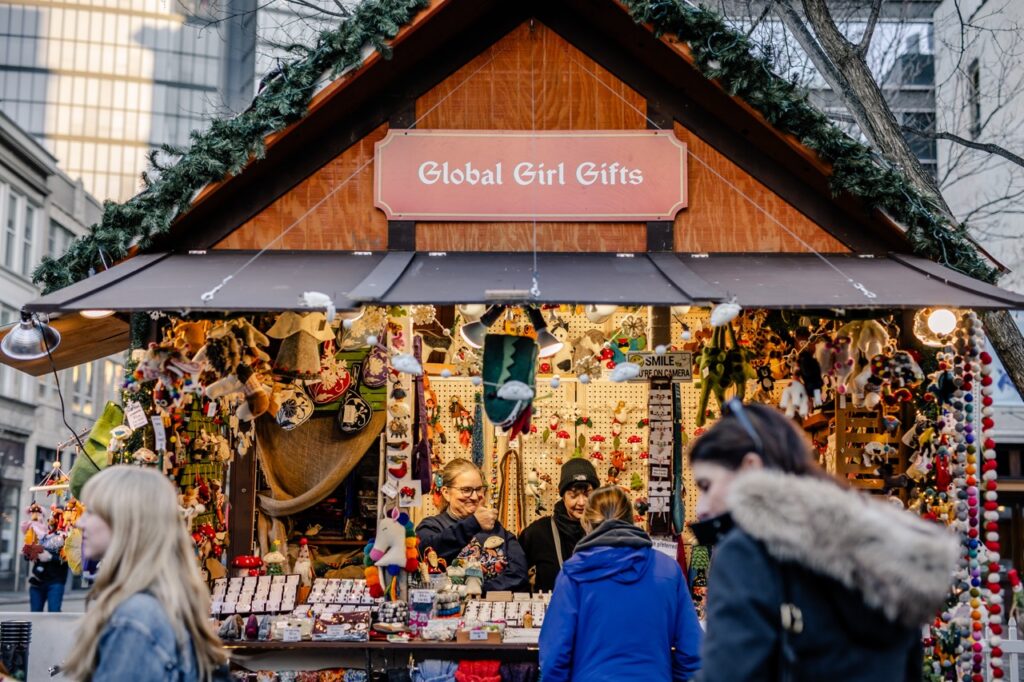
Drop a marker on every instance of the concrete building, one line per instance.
(41, 208)
(100, 84)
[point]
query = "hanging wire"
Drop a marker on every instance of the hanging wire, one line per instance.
(850, 280)
(535, 288)
(208, 296)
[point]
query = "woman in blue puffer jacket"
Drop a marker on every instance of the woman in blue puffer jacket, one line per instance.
(620, 610)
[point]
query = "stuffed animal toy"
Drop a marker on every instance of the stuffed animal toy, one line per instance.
(794, 400)
(169, 367)
(393, 550)
(247, 382)
(189, 337)
(904, 374)
(810, 376)
(301, 336)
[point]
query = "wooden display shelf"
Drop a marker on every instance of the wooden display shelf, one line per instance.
(254, 647)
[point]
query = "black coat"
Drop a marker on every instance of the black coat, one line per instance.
(864, 575)
(449, 536)
(842, 638)
(539, 544)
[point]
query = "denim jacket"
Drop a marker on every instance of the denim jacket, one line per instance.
(138, 643)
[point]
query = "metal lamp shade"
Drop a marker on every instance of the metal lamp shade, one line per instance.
(29, 340)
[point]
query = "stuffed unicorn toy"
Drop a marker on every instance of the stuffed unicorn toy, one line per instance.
(392, 551)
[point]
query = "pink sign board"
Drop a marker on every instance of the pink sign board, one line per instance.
(502, 175)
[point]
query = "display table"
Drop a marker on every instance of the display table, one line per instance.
(373, 655)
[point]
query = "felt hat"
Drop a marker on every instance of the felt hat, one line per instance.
(577, 470)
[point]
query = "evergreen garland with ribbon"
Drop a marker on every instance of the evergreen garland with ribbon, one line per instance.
(721, 53)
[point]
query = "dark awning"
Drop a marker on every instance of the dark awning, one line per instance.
(276, 279)
(272, 282)
(448, 278)
(837, 281)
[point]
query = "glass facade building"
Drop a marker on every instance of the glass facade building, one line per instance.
(101, 82)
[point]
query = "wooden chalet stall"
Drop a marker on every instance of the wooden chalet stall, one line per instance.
(753, 220)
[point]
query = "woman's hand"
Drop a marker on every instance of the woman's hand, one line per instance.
(486, 517)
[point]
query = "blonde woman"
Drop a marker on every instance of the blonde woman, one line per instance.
(148, 613)
(468, 529)
(620, 609)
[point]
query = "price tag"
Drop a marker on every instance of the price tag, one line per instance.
(335, 631)
(159, 435)
(477, 635)
(390, 490)
(136, 415)
(659, 472)
(291, 634)
(211, 409)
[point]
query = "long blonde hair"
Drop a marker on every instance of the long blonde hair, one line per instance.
(149, 551)
(452, 470)
(604, 504)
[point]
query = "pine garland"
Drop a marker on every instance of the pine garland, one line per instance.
(724, 55)
(721, 53)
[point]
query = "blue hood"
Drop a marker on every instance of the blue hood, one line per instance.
(615, 549)
(621, 564)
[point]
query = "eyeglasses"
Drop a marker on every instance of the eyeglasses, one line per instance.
(466, 491)
(734, 406)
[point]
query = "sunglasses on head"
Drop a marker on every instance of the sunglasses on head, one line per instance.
(734, 407)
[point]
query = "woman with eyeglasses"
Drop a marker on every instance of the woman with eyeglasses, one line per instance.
(809, 580)
(467, 529)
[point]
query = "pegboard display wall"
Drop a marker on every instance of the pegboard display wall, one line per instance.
(605, 403)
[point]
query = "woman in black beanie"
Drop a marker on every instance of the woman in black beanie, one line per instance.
(551, 540)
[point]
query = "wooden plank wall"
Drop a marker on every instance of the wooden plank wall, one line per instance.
(533, 79)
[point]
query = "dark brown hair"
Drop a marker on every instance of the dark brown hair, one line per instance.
(783, 446)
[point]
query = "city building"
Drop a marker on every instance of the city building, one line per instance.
(100, 84)
(979, 72)
(41, 209)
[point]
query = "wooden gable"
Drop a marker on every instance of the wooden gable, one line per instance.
(533, 79)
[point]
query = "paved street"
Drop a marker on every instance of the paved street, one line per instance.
(17, 602)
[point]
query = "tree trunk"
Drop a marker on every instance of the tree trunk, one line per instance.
(1005, 336)
(843, 66)
(862, 95)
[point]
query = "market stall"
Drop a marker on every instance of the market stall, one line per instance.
(562, 242)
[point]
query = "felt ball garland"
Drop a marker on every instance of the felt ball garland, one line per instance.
(987, 486)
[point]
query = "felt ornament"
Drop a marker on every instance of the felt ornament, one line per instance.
(724, 313)
(535, 487)
(301, 335)
(294, 406)
(509, 358)
(794, 400)
(334, 377)
(625, 371)
(34, 527)
(723, 364)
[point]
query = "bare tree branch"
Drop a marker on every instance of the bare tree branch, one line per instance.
(980, 146)
(869, 30)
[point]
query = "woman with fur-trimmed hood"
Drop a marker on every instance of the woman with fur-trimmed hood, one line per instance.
(809, 580)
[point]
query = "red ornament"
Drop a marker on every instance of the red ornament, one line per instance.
(986, 358)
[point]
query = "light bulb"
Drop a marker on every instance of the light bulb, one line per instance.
(95, 314)
(942, 321)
